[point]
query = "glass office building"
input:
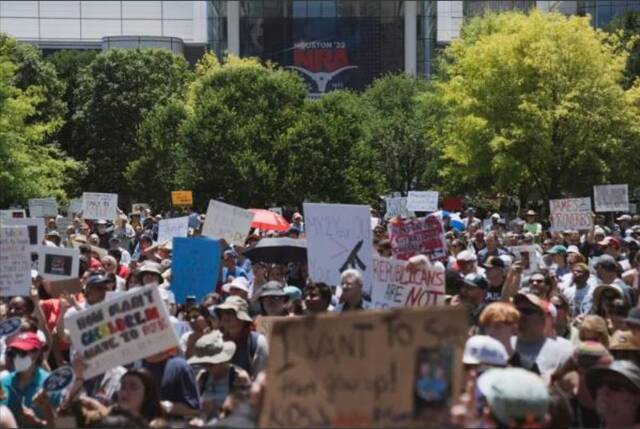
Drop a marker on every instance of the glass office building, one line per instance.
(479, 7)
(603, 11)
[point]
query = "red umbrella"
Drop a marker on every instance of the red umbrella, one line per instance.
(268, 221)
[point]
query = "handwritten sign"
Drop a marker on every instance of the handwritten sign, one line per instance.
(395, 286)
(75, 206)
(182, 198)
(194, 268)
(570, 213)
(121, 331)
(397, 206)
(35, 226)
(365, 369)
(529, 257)
(12, 214)
(56, 263)
(339, 237)
(418, 236)
(227, 222)
(422, 201)
(99, 206)
(170, 228)
(72, 286)
(611, 198)
(43, 207)
(15, 261)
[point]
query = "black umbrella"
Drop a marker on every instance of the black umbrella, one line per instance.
(278, 251)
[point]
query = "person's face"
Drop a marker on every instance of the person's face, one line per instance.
(616, 396)
(351, 289)
(562, 311)
(611, 250)
(273, 305)
(538, 285)
(85, 230)
(238, 292)
(558, 258)
(96, 294)
(531, 218)
(474, 295)
(101, 229)
(109, 266)
(501, 330)
(14, 354)
(197, 321)
(467, 267)
(276, 274)
(531, 320)
(131, 394)
(495, 276)
(94, 240)
(17, 308)
(229, 261)
(230, 324)
(149, 278)
(580, 275)
(491, 241)
(313, 300)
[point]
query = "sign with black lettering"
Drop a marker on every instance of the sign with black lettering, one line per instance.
(123, 330)
(365, 369)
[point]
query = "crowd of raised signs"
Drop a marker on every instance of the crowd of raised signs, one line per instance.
(248, 318)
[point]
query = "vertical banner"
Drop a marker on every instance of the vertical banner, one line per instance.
(611, 198)
(120, 331)
(99, 206)
(422, 201)
(570, 213)
(227, 222)
(170, 228)
(339, 237)
(365, 369)
(15, 261)
(194, 267)
(418, 236)
(395, 286)
(43, 207)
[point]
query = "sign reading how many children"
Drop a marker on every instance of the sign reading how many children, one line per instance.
(122, 330)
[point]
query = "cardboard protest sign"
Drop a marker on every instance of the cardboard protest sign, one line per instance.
(182, 198)
(365, 369)
(56, 263)
(15, 261)
(422, 201)
(99, 206)
(339, 237)
(75, 206)
(12, 214)
(43, 207)
(121, 331)
(611, 198)
(71, 286)
(395, 286)
(35, 226)
(397, 206)
(529, 257)
(570, 213)
(194, 267)
(170, 228)
(227, 222)
(264, 324)
(418, 236)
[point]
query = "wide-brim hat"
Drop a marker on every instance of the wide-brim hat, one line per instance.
(625, 368)
(238, 305)
(272, 288)
(600, 289)
(150, 267)
(212, 349)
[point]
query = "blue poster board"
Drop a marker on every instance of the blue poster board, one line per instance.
(194, 267)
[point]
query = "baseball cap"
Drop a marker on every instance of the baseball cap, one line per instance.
(237, 283)
(476, 280)
(466, 256)
(25, 341)
(558, 249)
(96, 280)
(528, 298)
(623, 218)
(493, 262)
(573, 249)
(483, 349)
(514, 395)
(610, 241)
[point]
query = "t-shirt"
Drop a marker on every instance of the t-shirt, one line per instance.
(533, 228)
(237, 272)
(15, 397)
(580, 300)
(548, 354)
(177, 381)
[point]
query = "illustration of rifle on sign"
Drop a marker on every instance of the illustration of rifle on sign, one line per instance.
(353, 260)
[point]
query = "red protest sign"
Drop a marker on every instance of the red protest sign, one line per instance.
(418, 236)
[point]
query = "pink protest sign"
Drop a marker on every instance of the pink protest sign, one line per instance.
(418, 236)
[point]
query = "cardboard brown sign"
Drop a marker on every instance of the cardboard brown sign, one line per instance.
(71, 286)
(366, 369)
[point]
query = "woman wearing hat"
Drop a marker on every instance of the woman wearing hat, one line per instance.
(616, 389)
(273, 300)
(235, 323)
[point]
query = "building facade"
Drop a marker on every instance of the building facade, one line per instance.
(603, 11)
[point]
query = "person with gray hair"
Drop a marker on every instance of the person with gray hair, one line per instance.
(351, 283)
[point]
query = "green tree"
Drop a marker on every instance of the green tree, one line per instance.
(115, 92)
(628, 26)
(28, 167)
(534, 104)
(238, 113)
(397, 131)
(330, 158)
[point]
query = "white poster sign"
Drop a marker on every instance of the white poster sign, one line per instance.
(611, 198)
(528, 256)
(15, 261)
(12, 214)
(123, 330)
(58, 263)
(633, 208)
(35, 226)
(99, 206)
(227, 222)
(339, 237)
(397, 206)
(75, 206)
(395, 286)
(169, 228)
(570, 213)
(422, 201)
(43, 207)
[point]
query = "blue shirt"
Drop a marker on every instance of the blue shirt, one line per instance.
(237, 272)
(16, 397)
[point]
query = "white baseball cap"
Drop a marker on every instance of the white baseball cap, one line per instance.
(483, 349)
(237, 283)
(466, 255)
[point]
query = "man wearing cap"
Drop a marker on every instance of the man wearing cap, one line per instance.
(633, 322)
(273, 299)
(616, 389)
(535, 349)
(103, 233)
(559, 260)
(482, 352)
(252, 349)
(237, 287)
(624, 225)
(151, 273)
(467, 263)
(495, 273)
(472, 294)
(608, 273)
(116, 244)
(611, 246)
